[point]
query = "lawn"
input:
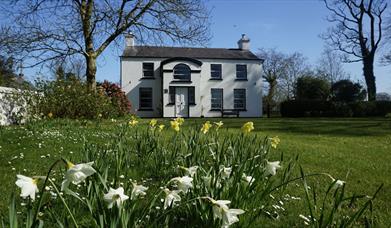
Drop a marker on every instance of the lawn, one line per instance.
(354, 150)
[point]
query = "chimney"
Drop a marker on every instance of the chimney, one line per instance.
(244, 43)
(129, 40)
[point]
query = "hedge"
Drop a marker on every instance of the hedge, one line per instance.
(318, 108)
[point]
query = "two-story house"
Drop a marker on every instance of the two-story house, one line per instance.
(192, 82)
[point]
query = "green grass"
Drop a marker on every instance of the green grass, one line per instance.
(354, 150)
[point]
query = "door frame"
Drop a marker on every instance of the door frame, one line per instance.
(187, 104)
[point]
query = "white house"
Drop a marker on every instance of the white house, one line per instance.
(192, 82)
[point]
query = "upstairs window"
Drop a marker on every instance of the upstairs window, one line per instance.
(215, 71)
(241, 72)
(182, 72)
(145, 96)
(148, 70)
(216, 99)
(240, 99)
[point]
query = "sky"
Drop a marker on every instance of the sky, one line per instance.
(287, 25)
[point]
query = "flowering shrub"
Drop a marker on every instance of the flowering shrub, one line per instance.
(152, 176)
(117, 97)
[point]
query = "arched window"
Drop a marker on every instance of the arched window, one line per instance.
(182, 72)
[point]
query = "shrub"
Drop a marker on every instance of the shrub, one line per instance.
(306, 108)
(347, 91)
(312, 88)
(117, 97)
(72, 99)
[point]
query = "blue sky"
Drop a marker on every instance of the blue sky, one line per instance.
(288, 25)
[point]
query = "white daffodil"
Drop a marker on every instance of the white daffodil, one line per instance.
(138, 190)
(222, 211)
(338, 184)
(225, 172)
(191, 171)
(77, 174)
(171, 197)
(115, 196)
(27, 185)
(248, 179)
(271, 167)
(184, 183)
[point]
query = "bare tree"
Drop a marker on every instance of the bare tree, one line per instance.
(274, 68)
(357, 33)
(330, 66)
(46, 30)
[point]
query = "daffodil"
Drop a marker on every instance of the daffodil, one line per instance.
(219, 124)
(180, 120)
(171, 197)
(175, 125)
(205, 127)
(222, 211)
(338, 184)
(248, 127)
(225, 172)
(191, 171)
(249, 180)
(77, 173)
(138, 190)
(27, 185)
(50, 114)
(271, 167)
(274, 141)
(153, 123)
(161, 127)
(115, 196)
(184, 183)
(133, 122)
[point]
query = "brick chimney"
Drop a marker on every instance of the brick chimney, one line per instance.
(129, 40)
(244, 43)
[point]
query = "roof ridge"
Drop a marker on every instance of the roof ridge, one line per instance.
(149, 46)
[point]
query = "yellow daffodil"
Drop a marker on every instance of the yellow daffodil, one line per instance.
(180, 120)
(205, 127)
(175, 125)
(274, 141)
(153, 123)
(50, 114)
(161, 127)
(219, 124)
(248, 127)
(133, 122)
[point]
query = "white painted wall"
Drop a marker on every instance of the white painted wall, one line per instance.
(131, 73)
(12, 107)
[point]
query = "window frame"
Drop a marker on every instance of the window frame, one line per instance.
(243, 100)
(212, 99)
(142, 107)
(145, 69)
(241, 71)
(219, 70)
(191, 94)
(181, 79)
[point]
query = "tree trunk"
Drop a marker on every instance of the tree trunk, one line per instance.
(370, 77)
(91, 72)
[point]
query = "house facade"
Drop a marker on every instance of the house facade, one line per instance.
(192, 82)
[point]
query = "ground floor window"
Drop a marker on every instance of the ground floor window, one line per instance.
(145, 95)
(216, 96)
(191, 92)
(240, 99)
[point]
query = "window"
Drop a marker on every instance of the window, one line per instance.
(171, 94)
(145, 96)
(240, 99)
(182, 72)
(241, 72)
(191, 94)
(216, 100)
(148, 70)
(215, 71)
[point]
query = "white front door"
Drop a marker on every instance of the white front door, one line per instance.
(181, 105)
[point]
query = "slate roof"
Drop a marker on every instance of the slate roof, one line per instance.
(196, 53)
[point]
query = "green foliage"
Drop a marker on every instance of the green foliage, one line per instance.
(144, 155)
(72, 99)
(117, 97)
(347, 91)
(312, 88)
(8, 75)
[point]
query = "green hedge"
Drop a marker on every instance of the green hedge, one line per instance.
(318, 108)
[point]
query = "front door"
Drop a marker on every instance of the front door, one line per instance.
(181, 104)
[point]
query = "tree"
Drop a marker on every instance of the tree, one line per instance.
(330, 66)
(8, 75)
(357, 33)
(383, 97)
(347, 91)
(274, 68)
(46, 30)
(310, 87)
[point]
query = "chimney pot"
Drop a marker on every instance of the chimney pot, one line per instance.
(244, 43)
(129, 40)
